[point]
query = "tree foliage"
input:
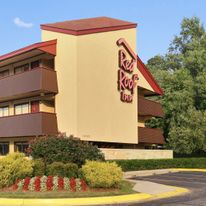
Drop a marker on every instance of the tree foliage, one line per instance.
(181, 72)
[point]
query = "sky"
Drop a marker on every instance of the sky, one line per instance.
(158, 20)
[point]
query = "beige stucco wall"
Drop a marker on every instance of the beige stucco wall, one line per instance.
(88, 104)
(111, 154)
(66, 67)
(46, 107)
(142, 82)
(101, 114)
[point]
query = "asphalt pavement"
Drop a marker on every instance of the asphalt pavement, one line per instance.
(194, 181)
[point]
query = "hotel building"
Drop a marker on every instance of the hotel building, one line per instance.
(83, 79)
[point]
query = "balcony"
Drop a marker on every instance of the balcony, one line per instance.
(29, 83)
(149, 108)
(150, 135)
(32, 124)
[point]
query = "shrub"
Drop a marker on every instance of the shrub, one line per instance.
(102, 174)
(12, 167)
(62, 170)
(50, 183)
(38, 167)
(64, 149)
(132, 165)
(71, 170)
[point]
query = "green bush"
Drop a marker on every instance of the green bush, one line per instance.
(12, 167)
(39, 168)
(132, 165)
(71, 170)
(102, 174)
(64, 149)
(63, 170)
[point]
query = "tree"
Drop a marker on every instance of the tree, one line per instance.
(188, 134)
(182, 74)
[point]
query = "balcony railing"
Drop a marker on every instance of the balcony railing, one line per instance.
(32, 82)
(32, 124)
(149, 108)
(150, 135)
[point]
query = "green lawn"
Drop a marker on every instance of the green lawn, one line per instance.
(125, 188)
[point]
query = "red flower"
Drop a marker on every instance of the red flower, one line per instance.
(26, 183)
(15, 186)
(49, 183)
(60, 183)
(83, 185)
(73, 184)
(37, 184)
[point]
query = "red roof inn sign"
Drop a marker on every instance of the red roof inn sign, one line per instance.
(127, 80)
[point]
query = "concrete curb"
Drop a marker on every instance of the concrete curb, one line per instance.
(143, 173)
(121, 199)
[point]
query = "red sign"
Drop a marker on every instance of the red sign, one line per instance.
(127, 81)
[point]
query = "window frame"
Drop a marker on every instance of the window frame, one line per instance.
(18, 67)
(20, 104)
(3, 149)
(3, 111)
(21, 144)
(2, 72)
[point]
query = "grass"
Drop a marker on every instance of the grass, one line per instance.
(125, 188)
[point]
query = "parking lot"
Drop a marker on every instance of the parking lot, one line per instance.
(194, 181)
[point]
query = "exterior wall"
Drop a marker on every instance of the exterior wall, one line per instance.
(88, 104)
(142, 82)
(46, 107)
(111, 154)
(141, 124)
(101, 114)
(141, 121)
(66, 67)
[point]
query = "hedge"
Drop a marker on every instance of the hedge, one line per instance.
(132, 165)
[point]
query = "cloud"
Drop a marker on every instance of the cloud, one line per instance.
(20, 23)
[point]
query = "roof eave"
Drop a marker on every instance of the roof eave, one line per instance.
(47, 47)
(148, 76)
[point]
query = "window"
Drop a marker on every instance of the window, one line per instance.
(34, 64)
(4, 73)
(21, 147)
(4, 111)
(4, 148)
(22, 108)
(22, 68)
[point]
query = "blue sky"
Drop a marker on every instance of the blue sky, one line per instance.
(158, 20)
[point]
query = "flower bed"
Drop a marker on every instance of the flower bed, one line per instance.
(50, 183)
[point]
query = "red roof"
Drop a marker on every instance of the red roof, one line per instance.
(88, 26)
(47, 46)
(148, 76)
